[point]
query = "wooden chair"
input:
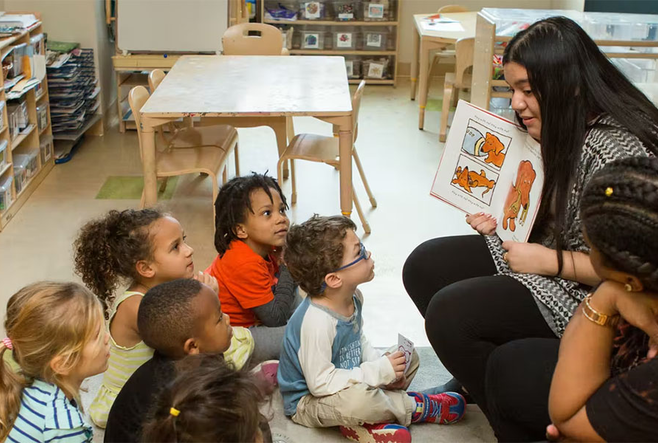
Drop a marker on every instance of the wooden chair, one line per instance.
(461, 79)
(207, 149)
(257, 39)
(253, 39)
(322, 149)
(446, 54)
(452, 8)
(185, 136)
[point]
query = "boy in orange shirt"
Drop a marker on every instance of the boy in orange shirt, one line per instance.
(255, 287)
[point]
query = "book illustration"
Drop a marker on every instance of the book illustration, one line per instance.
(312, 41)
(405, 346)
(469, 177)
(519, 196)
(486, 144)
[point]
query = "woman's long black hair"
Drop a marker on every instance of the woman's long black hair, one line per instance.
(574, 82)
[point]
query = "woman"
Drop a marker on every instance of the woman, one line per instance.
(477, 293)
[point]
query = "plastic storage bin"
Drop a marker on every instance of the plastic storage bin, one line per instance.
(377, 10)
(3, 154)
(5, 193)
(46, 148)
(376, 69)
(20, 172)
(281, 11)
(28, 161)
(345, 38)
(346, 10)
(354, 67)
(42, 116)
(312, 39)
(376, 39)
(315, 10)
(2, 120)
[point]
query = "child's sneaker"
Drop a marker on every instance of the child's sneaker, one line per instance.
(379, 433)
(266, 374)
(444, 409)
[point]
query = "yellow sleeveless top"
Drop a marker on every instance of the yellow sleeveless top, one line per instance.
(123, 362)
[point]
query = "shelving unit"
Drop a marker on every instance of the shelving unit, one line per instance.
(30, 140)
(328, 29)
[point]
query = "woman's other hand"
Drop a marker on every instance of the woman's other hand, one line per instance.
(484, 224)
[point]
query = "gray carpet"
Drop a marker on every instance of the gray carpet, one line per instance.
(473, 428)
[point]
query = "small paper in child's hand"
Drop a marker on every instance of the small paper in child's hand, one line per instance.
(405, 346)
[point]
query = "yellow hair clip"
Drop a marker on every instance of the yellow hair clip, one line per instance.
(609, 191)
(174, 412)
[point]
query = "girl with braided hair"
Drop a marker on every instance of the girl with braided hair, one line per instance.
(604, 370)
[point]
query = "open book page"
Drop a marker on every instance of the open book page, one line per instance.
(479, 167)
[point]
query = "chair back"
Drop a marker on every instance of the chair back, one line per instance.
(452, 8)
(253, 39)
(356, 107)
(155, 78)
(137, 98)
(464, 49)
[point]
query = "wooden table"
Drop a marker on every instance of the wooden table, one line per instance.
(249, 91)
(426, 43)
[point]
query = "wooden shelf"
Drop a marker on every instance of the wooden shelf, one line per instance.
(6, 168)
(42, 95)
(74, 136)
(372, 81)
(330, 23)
(331, 52)
(44, 129)
(18, 140)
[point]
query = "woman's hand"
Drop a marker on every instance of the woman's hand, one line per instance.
(485, 224)
(530, 258)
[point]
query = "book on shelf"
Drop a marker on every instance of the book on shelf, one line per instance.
(16, 23)
(491, 165)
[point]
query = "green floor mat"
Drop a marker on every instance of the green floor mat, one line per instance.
(435, 104)
(130, 188)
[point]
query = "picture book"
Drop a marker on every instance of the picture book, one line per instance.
(491, 165)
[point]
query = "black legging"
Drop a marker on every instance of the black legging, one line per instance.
(469, 311)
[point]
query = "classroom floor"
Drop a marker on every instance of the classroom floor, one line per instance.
(400, 162)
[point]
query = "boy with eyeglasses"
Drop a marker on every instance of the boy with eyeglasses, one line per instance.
(329, 374)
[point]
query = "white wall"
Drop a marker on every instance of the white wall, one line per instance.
(80, 21)
(576, 5)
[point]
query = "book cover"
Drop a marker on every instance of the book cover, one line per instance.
(491, 165)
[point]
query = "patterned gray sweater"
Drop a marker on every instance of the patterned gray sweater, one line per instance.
(558, 298)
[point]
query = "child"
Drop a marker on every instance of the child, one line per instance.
(143, 249)
(328, 372)
(57, 333)
(604, 385)
(209, 402)
(176, 319)
(254, 288)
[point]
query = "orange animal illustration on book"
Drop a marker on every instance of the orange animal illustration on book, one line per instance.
(494, 150)
(470, 179)
(488, 146)
(519, 196)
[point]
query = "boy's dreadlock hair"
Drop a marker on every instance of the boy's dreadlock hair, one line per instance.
(619, 210)
(233, 202)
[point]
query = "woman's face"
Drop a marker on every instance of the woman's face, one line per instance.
(524, 102)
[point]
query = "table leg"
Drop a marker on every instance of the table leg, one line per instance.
(280, 127)
(122, 124)
(414, 63)
(345, 152)
(150, 197)
(424, 81)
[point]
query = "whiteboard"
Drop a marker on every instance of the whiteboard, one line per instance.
(171, 25)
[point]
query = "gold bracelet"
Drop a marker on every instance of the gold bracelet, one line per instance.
(597, 317)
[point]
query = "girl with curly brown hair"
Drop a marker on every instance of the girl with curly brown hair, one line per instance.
(141, 249)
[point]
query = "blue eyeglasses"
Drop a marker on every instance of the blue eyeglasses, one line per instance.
(363, 255)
